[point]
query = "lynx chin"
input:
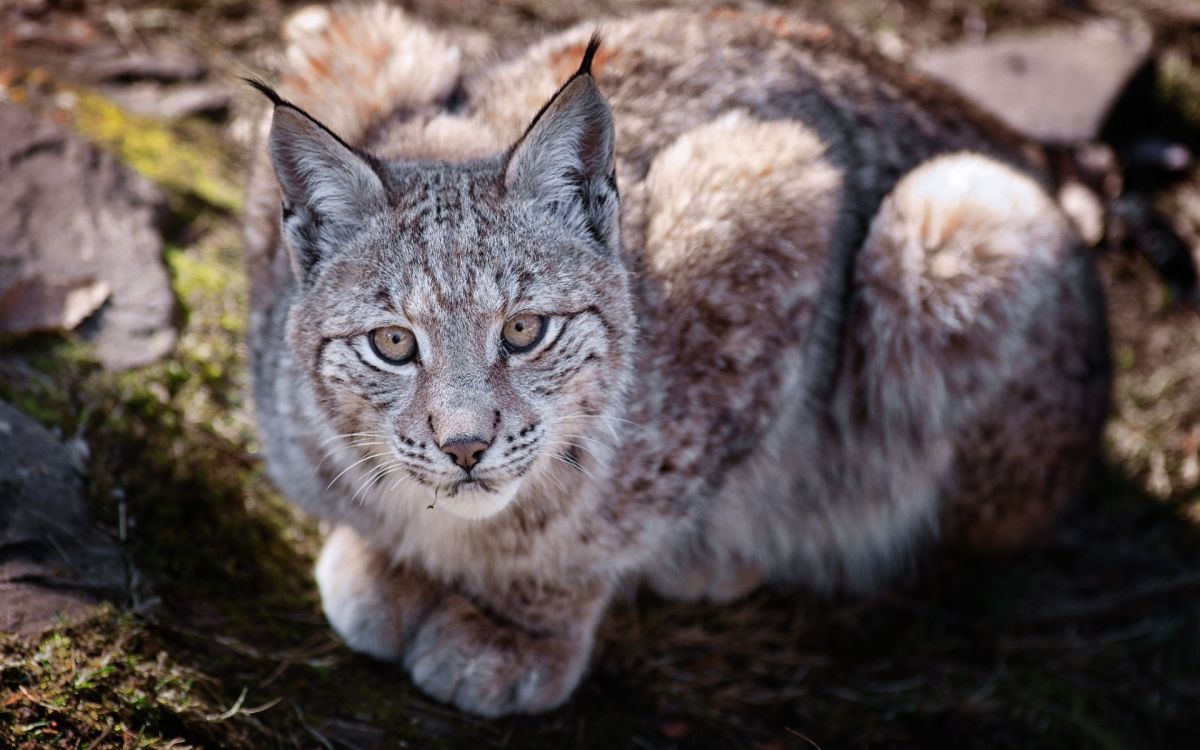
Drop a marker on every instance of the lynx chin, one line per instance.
(726, 300)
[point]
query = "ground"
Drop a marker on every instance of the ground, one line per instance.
(1091, 638)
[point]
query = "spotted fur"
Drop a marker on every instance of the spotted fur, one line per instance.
(806, 314)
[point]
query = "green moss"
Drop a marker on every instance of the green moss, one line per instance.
(106, 683)
(1179, 85)
(185, 158)
(192, 276)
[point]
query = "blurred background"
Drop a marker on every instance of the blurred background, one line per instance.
(128, 468)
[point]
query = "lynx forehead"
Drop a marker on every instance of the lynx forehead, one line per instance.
(830, 319)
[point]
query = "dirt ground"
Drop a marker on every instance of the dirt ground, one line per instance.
(1091, 638)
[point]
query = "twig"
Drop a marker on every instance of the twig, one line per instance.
(264, 707)
(806, 738)
(310, 728)
(103, 735)
(237, 706)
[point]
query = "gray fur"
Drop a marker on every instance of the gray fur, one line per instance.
(838, 320)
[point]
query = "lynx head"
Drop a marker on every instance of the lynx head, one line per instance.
(464, 326)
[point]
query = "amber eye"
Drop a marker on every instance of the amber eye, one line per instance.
(523, 332)
(394, 344)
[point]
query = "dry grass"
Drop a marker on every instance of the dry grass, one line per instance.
(1090, 639)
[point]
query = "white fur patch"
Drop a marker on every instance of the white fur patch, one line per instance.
(477, 504)
(358, 611)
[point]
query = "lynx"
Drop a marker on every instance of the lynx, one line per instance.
(724, 300)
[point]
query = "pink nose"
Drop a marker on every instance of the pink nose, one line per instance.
(465, 451)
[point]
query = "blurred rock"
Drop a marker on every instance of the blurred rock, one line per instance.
(164, 66)
(78, 229)
(1054, 86)
(46, 304)
(154, 100)
(53, 563)
(68, 33)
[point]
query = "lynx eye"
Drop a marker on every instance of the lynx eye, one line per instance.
(523, 332)
(394, 344)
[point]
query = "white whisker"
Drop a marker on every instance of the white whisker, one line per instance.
(354, 434)
(608, 420)
(557, 482)
(372, 479)
(332, 451)
(356, 463)
(600, 443)
(574, 465)
(403, 478)
(559, 442)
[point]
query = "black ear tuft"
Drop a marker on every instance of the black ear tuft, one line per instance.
(585, 65)
(261, 87)
(584, 69)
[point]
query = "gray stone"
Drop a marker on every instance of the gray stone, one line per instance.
(1055, 86)
(166, 66)
(183, 100)
(54, 564)
(79, 235)
(48, 304)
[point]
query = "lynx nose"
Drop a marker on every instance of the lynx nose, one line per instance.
(466, 451)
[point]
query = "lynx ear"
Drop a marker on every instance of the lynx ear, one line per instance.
(328, 189)
(565, 162)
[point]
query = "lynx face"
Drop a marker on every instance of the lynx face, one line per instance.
(464, 327)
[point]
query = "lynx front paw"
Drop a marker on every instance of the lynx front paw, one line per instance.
(373, 606)
(462, 656)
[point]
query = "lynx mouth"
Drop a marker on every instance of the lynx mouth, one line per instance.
(471, 483)
(475, 499)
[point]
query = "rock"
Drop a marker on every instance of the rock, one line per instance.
(79, 231)
(156, 100)
(1055, 86)
(62, 32)
(54, 564)
(42, 304)
(164, 66)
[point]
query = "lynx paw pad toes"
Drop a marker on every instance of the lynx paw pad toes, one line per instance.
(462, 657)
